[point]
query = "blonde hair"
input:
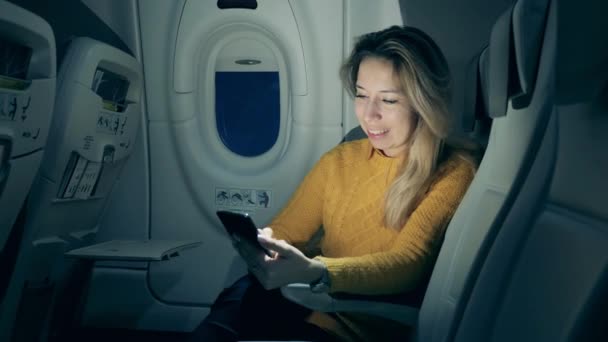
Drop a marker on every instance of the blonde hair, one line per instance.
(425, 79)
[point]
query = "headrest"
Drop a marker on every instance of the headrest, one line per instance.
(475, 92)
(499, 65)
(475, 121)
(513, 55)
(482, 69)
(529, 21)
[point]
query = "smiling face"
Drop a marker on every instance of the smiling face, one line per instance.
(382, 107)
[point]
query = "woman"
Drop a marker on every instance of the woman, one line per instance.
(384, 203)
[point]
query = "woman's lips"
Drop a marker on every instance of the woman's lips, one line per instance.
(377, 133)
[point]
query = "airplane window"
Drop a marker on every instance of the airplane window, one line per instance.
(247, 109)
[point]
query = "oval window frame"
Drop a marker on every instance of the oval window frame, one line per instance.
(210, 60)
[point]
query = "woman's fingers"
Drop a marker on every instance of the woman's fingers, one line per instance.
(271, 272)
(279, 246)
(266, 231)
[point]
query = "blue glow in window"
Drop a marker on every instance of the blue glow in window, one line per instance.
(247, 109)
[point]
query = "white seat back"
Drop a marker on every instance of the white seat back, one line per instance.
(518, 99)
(97, 117)
(546, 276)
(27, 94)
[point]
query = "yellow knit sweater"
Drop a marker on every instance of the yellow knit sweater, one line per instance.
(345, 192)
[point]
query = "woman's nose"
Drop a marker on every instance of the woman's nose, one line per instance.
(372, 111)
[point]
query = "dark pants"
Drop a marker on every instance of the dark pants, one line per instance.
(246, 311)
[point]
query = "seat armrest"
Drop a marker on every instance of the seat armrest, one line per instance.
(323, 302)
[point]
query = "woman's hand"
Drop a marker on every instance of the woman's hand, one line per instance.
(287, 265)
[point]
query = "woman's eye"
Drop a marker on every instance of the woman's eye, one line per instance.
(389, 101)
(359, 96)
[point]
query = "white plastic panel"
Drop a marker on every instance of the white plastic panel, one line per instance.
(159, 22)
(83, 125)
(200, 19)
(322, 30)
(84, 134)
(90, 140)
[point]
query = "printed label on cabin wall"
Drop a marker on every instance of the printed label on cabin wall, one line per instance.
(243, 198)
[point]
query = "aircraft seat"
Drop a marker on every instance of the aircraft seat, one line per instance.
(96, 119)
(546, 276)
(27, 94)
(518, 101)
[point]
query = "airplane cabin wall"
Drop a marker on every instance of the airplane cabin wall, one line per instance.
(189, 164)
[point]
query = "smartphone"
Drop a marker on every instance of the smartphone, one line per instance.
(242, 225)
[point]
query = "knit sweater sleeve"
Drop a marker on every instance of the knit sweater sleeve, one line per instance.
(400, 268)
(303, 214)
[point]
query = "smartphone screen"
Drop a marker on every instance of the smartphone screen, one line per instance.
(242, 225)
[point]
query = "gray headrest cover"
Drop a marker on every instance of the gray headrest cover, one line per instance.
(529, 19)
(475, 94)
(483, 78)
(498, 65)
